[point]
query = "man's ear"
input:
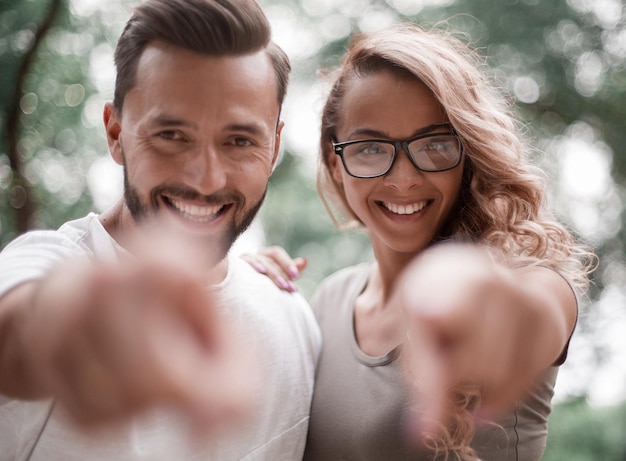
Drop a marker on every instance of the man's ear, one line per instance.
(279, 130)
(113, 128)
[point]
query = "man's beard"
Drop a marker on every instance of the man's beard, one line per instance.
(142, 212)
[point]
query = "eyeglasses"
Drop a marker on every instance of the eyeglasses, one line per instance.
(371, 158)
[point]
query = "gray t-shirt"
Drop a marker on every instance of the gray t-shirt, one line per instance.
(359, 402)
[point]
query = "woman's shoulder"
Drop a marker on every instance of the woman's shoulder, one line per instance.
(343, 282)
(337, 291)
(347, 275)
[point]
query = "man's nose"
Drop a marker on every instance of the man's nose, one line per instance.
(205, 171)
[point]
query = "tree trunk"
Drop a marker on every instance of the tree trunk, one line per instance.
(20, 191)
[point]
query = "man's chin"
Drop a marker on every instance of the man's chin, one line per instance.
(205, 240)
(200, 243)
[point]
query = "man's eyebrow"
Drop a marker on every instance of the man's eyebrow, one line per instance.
(382, 134)
(165, 120)
(252, 128)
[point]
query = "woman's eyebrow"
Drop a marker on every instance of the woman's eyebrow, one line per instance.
(380, 134)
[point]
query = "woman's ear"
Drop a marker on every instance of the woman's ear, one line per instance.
(335, 166)
(113, 129)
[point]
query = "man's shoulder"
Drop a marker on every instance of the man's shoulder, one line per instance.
(32, 254)
(71, 235)
(240, 272)
(81, 229)
(262, 302)
(245, 278)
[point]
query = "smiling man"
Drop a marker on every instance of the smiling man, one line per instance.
(198, 139)
(136, 323)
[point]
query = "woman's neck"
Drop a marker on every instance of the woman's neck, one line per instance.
(386, 272)
(379, 326)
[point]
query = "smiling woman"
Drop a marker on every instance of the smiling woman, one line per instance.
(470, 301)
(392, 105)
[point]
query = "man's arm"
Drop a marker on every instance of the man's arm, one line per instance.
(108, 341)
(15, 379)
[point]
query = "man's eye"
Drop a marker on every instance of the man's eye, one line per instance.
(170, 135)
(241, 142)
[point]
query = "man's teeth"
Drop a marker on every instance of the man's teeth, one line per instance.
(196, 213)
(405, 209)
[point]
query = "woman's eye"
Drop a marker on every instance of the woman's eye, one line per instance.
(437, 146)
(371, 149)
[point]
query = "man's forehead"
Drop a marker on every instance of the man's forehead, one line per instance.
(179, 85)
(159, 52)
(164, 64)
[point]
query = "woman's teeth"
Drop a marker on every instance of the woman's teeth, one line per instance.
(405, 209)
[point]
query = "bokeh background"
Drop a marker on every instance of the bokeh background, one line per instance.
(562, 62)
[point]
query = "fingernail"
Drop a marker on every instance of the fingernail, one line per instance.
(292, 287)
(260, 268)
(293, 272)
(282, 283)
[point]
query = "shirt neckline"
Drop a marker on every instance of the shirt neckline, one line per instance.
(361, 356)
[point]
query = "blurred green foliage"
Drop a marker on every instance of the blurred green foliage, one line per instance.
(54, 143)
(579, 432)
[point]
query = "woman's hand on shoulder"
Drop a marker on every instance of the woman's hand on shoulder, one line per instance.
(276, 263)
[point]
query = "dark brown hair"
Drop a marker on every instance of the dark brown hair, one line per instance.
(210, 27)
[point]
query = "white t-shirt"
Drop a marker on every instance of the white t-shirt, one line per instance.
(280, 326)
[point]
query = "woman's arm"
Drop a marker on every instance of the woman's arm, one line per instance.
(474, 320)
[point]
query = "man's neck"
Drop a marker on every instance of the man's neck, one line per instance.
(218, 273)
(121, 226)
(113, 221)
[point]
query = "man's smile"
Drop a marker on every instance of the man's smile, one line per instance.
(193, 211)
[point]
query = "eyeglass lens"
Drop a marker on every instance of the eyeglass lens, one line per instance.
(432, 153)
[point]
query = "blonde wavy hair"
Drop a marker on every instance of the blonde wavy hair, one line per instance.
(502, 202)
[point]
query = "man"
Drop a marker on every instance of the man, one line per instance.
(109, 319)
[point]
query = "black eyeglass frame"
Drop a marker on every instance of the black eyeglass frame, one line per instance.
(398, 145)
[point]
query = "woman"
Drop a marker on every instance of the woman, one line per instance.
(418, 149)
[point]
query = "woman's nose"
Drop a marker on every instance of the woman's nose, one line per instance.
(403, 174)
